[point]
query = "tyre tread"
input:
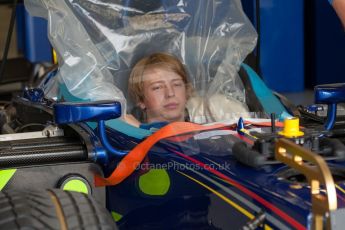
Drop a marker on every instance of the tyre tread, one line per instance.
(36, 210)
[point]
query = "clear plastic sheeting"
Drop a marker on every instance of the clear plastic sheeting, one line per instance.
(99, 41)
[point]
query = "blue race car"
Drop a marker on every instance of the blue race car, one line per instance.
(218, 171)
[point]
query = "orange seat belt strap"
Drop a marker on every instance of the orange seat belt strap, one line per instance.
(133, 159)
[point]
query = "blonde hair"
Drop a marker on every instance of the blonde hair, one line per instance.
(156, 60)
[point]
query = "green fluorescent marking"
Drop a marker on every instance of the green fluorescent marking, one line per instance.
(76, 186)
(156, 182)
(5, 176)
(116, 216)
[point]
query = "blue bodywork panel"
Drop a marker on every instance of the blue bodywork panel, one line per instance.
(282, 44)
(197, 183)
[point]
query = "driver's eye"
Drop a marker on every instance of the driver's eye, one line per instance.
(178, 84)
(157, 87)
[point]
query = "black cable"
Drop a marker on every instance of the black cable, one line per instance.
(273, 123)
(8, 40)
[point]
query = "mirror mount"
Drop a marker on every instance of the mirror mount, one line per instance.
(330, 94)
(71, 112)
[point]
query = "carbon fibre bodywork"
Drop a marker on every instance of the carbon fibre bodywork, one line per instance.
(30, 161)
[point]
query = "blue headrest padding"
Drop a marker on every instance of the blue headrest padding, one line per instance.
(117, 124)
(125, 128)
(269, 102)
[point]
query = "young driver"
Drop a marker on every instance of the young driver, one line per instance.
(159, 86)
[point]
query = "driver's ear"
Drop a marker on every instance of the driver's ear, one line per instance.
(142, 106)
(189, 91)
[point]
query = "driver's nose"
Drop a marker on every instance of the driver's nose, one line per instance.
(169, 91)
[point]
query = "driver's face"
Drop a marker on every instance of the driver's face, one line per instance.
(164, 95)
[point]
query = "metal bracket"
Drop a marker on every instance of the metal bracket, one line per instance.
(50, 131)
(318, 174)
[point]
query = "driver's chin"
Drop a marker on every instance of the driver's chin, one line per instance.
(166, 115)
(172, 116)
